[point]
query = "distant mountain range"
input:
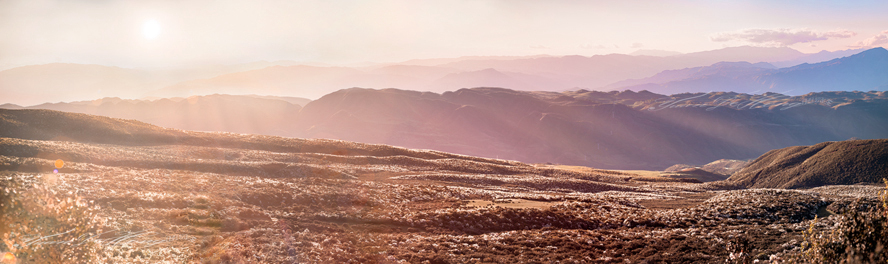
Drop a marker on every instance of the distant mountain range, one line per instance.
(865, 71)
(660, 111)
(57, 82)
(605, 130)
(536, 73)
(36, 84)
(614, 130)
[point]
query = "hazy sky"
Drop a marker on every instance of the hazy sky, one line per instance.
(187, 33)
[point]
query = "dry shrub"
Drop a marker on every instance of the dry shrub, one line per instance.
(42, 225)
(861, 236)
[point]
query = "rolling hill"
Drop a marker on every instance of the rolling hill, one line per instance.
(614, 130)
(229, 113)
(828, 163)
(50, 125)
(605, 130)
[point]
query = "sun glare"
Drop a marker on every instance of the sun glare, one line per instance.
(150, 29)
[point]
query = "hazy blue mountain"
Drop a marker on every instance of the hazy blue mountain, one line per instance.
(864, 71)
(818, 57)
(729, 70)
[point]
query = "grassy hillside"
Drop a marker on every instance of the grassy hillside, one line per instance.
(827, 163)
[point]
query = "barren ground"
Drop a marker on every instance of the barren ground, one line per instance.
(226, 205)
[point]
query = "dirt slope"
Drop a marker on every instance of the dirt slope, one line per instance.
(827, 163)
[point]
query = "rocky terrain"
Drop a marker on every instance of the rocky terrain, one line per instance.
(131, 192)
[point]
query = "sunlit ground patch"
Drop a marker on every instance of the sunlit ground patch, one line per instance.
(8, 258)
(507, 203)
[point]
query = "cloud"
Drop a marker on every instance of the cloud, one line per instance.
(877, 40)
(637, 45)
(780, 37)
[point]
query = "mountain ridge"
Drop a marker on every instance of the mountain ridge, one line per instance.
(622, 130)
(312, 80)
(863, 71)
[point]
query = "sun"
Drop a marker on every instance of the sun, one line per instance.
(150, 29)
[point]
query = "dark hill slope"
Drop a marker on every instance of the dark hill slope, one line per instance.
(63, 126)
(491, 122)
(74, 127)
(614, 130)
(229, 113)
(827, 163)
(29, 139)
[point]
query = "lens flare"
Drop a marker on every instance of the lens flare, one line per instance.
(59, 163)
(8, 258)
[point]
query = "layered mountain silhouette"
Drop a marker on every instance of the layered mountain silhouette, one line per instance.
(56, 82)
(605, 130)
(50, 125)
(817, 57)
(230, 113)
(600, 70)
(532, 73)
(720, 71)
(864, 71)
(614, 130)
(827, 163)
(306, 81)
(36, 84)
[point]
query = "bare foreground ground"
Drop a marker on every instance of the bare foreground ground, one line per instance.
(200, 204)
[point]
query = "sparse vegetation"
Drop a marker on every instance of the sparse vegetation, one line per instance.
(828, 163)
(860, 236)
(277, 200)
(42, 224)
